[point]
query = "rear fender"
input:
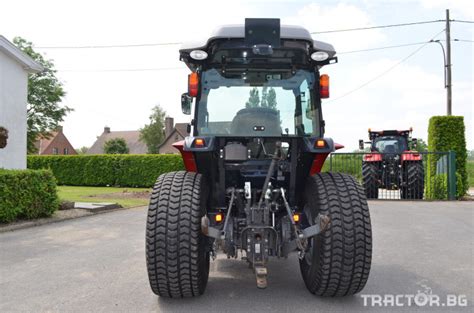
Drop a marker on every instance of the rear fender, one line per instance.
(372, 157)
(319, 158)
(411, 156)
(188, 157)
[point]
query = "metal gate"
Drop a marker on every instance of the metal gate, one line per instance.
(406, 176)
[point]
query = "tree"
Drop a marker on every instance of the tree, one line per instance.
(45, 93)
(153, 134)
(421, 145)
(82, 150)
(264, 102)
(116, 146)
(254, 99)
(271, 98)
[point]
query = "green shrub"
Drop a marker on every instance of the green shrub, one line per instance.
(446, 133)
(27, 194)
(107, 170)
(438, 187)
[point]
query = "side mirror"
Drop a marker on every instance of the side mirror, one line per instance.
(186, 101)
(414, 143)
(361, 144)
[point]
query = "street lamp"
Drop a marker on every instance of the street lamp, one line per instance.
(444, 60)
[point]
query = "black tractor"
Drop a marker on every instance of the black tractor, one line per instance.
(392, 165)
(252, 187)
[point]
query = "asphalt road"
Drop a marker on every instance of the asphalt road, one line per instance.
(97, 264)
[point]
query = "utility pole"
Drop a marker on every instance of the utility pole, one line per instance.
(448, 64)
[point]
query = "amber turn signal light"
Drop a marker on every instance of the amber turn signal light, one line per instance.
(296, 217)
(320, 143)
(193, 84)
(324, 86)
(199, 142)
(219, 217)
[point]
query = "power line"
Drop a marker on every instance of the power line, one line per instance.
(124, 70)
(382, 48)
(111, 46)
(464, 40)
(375, 27)
(461, 21)
(178, 43)
(387, 70)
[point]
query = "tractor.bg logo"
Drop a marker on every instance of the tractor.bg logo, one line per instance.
(422, 298)
(3, 137)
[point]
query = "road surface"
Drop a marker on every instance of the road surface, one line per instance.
(97, 264)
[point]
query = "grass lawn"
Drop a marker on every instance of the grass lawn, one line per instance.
(127, 197)
(470, 172)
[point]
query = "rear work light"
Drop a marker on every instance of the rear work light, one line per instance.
(198, 55)
(324, 86)
(319, 56)
(193, 84)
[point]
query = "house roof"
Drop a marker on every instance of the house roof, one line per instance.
(131, 137)
(43, 143)
(180, 128)
(16, 54)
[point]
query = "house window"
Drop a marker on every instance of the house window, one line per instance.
(55, 151)
(66, 151)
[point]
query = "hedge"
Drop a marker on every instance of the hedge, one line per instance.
(446, 133)
(124, 170)
(27, 194)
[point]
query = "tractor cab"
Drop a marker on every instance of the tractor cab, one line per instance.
(260, 80)
(390, 141)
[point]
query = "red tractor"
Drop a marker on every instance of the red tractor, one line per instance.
(392, 165)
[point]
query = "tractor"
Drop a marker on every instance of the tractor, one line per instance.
(252, 187)
(392, 165)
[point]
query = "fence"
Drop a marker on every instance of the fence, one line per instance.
(406, 176)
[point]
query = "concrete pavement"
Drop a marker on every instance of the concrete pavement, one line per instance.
(97, 264)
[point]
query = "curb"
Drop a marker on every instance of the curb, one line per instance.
(51, 220)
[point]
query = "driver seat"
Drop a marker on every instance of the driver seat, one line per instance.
(389, 149)
(258, 121)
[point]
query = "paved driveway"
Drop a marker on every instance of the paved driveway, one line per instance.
(97, 264)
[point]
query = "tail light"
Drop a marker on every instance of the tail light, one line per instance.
(193, 84)
(324, 86)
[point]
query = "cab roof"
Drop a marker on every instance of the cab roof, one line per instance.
(238, 31)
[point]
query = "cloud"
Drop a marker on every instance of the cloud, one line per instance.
(461, 8)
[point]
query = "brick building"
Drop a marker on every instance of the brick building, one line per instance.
(173, 133)
(131, 137)
(56, 144)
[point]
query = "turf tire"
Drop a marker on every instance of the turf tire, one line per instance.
(176, 250)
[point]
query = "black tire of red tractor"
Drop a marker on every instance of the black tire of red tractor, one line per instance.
(176, 256)
(414, 175)
(338, 260)
(369, 179)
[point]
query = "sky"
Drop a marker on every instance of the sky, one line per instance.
(393, 88)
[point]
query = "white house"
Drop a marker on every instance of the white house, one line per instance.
(14, 69)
